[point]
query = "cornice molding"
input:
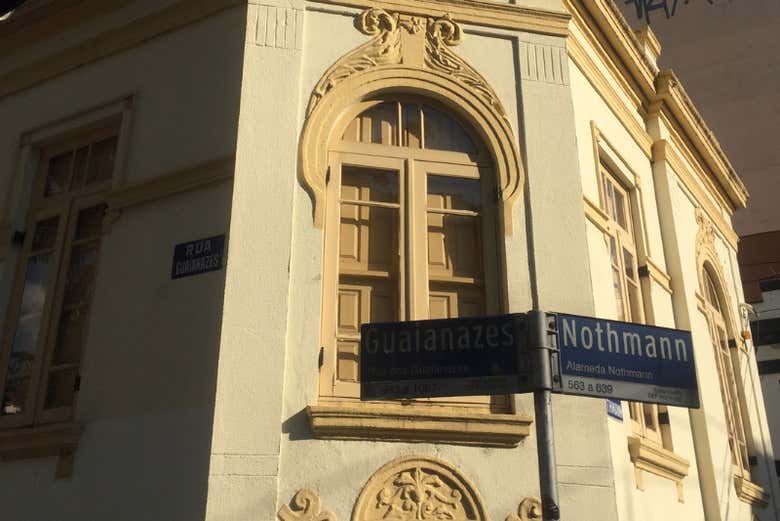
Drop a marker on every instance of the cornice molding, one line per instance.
(664, 151)
(390, 422)
(749, 492)
(657, 460)
(671, 93)
(476, 12)
(190, 178)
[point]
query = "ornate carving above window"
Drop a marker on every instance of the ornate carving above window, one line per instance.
(419, 487)
(408, 54)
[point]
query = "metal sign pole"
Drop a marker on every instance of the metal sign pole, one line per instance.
(548, 477)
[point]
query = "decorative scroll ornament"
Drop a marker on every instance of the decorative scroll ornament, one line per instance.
(442, 34)
(408, 54)
(305, 507)
(705, 237)
(530, 509)
(397, 40)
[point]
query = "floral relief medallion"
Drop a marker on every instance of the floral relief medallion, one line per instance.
(418, 489)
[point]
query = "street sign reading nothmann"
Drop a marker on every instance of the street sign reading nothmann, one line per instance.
(448, 357)
(623, 360)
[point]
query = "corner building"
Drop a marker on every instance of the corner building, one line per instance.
(364, 161)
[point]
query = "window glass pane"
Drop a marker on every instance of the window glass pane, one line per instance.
(454, 193)
(442, 132)
(45, 234)
(412, 128)
(384, 123)
(25, 343)
(609, 194)
(61, 388)
(70, 336)
(620, 210)
(101, 160)
(81, 273)
(364, 184)
(90, 222)
(628, 262)
(58, 175)
(80, 167)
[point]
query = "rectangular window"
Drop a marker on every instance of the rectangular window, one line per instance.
(411, 245)
(47, 322)
(649, 421)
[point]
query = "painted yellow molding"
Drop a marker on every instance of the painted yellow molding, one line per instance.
(749, 492)
(408, 54)
(476, 12)
(658, 275)
(306, 506)
(671, 93)
(174, 17)
(596, 214)
(657, 460)
(408, 486)
(418, 423)
(663, 151)
(60, 440)
(530, 509)
(605, 15)
(169, 184)
(649, 42)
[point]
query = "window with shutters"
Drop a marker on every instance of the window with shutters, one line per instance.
(47, 323)
(649, 421)
(411, 233)
(737, 422)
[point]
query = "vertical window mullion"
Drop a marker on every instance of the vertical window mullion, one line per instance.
(37, 366)
(418, 245)
(70, 220)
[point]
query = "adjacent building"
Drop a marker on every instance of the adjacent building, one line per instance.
(203, 201)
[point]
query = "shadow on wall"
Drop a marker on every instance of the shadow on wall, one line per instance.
(148, 383)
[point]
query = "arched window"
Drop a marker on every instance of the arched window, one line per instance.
(410, 230)
(730, 385)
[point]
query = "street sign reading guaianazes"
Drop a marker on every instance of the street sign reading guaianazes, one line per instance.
(447, 357)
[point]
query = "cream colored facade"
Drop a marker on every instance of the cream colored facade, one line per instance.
(202, 398)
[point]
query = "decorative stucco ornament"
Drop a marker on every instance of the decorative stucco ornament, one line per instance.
(411, 55)
(419, 489)
(530, 509)
(408, 40)
(306, 506)
(705, 237)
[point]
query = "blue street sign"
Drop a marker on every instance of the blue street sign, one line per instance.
(448, 357)
(196, 257)
(628, 361)
(615, 409)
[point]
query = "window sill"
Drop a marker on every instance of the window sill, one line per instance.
(59, 440)
(749, 492)
(657, 460)
(391, 422)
